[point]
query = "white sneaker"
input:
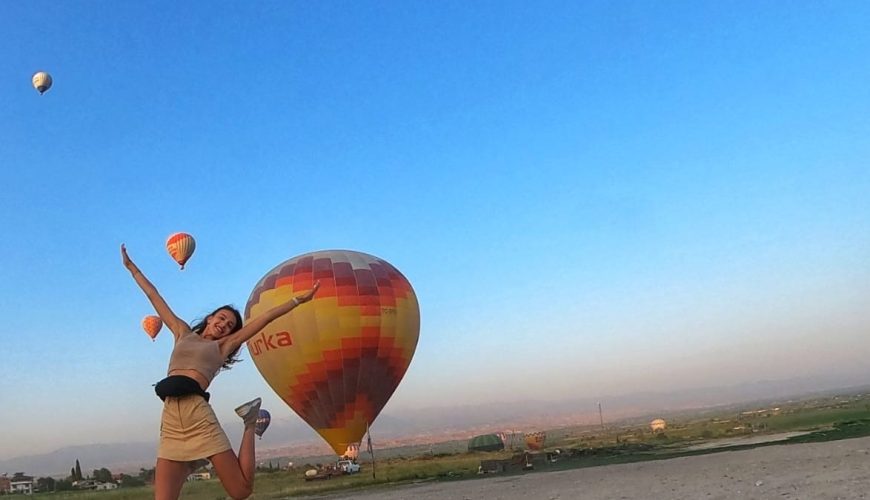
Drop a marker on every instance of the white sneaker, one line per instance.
(249, 412)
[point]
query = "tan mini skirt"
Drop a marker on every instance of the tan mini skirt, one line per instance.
(189, 430)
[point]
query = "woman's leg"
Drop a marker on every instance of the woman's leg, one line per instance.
(237, 473)
(169, 477)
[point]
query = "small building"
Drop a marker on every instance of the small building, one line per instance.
(21, 483)
(23, 486)
(199, 476)
(5, 484)
(106, 486)
(85, 484)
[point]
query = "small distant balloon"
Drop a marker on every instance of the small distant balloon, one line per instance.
(152, 325)
(41, 82)
(536, 440)
(181, 246)
(262, 423)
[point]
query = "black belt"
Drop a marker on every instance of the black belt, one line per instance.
(178, 386)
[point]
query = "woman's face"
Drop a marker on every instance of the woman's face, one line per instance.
(219, 324)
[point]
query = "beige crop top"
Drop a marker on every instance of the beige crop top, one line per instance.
(193, 352)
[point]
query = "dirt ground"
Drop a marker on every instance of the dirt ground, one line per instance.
(836, 469)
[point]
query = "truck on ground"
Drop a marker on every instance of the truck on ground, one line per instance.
(348, 466)
(340, 468)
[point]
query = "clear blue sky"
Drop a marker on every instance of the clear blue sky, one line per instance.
(623, 196)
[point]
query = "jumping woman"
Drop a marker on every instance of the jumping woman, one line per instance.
(189, 429)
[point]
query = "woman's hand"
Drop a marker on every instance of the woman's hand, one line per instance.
(305, 297)
(176, 325)
(258, 323)
(125, 259)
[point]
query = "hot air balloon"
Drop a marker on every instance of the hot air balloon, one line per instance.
(658, 425)
(535, 440)
(352, 452)
(181, 246)
(263, 420)
(41, 81)
(485, 442)
(152, 325)
(337, 359)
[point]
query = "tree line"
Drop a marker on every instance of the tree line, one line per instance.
(101, 475)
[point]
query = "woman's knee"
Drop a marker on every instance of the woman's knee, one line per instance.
(240, 491)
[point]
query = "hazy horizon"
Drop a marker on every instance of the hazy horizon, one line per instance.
(589, 198)
(288, 429)
(438, 426)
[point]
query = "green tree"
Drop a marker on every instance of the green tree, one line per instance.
(130, 481)
(45, 484)
(146, 475)
(102, 475)
(63, 485)
(78, 471)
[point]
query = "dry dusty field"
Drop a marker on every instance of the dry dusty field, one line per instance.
(836, 469)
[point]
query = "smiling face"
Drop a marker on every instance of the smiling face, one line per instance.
(220, 324)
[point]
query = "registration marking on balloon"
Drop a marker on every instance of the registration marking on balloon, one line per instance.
(337, 359)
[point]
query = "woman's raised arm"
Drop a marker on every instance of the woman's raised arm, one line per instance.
(176, 325)
(260, 322)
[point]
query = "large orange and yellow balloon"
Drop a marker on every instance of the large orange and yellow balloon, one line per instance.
(337, 359)
(152, 325)
(180, 247)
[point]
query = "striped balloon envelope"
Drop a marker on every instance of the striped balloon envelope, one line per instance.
(536, 440)
(337, 359)
(180, 247)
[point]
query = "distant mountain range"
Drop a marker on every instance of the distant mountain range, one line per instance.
(118, 457)
(432, 423)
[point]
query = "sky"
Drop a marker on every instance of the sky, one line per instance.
(589, 198)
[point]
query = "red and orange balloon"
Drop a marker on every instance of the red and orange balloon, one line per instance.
(180, 247)
(152, 325)
(337, 359)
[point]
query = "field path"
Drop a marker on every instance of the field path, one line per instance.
(831, 470)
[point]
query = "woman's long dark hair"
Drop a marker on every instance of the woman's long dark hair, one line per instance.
(199, 326)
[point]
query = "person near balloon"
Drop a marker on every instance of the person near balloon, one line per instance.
(189, 430)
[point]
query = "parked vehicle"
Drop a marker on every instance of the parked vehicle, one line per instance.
(339, 468)
(348, 466)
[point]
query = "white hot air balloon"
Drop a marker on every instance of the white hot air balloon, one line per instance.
(41, 82)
